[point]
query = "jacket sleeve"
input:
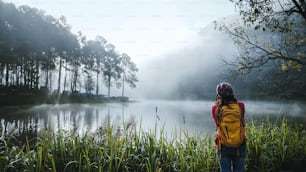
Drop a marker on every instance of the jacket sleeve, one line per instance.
(242, 107)
(214, 117)
(213, 114)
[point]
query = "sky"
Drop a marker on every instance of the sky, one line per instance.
(141, 28)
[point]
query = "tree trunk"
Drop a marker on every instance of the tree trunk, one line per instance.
(97, 84)
(1, 74)
(47, 78)
(24, 77)
(50, 82)
(59, 76)
(16, 75)
(75, 78)
(37, 74)
(123, 86)
(28, 78)
(65, 78)
(31, 76)
(109, 84)
(7, 75)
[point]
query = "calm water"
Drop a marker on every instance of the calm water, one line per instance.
(170, 115)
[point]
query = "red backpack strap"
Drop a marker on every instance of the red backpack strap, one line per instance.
(242, 113)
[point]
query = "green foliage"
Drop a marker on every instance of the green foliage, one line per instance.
(271, 145)
(271, 83)
(270, 39)
(269, 31)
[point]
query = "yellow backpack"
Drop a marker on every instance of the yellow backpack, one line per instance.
(231, 129)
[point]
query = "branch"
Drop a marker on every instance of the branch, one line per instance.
(248, 41)
(246, 63)
(298, 6)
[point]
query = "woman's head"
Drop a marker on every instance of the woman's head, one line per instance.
(224, 90)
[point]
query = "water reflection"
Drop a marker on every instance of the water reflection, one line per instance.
(169, 115)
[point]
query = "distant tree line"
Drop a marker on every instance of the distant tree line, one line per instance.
(35, 48)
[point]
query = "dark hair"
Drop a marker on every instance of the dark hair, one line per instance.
(225, 100)
(225, 92)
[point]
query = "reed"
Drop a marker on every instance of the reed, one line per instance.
(271, 145)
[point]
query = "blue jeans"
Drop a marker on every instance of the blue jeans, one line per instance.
(232, 159)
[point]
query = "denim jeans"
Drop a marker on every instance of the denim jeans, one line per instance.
(232, 159)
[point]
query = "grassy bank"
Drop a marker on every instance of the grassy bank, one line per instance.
(272, 146)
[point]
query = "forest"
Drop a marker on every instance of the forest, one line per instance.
(39, 53)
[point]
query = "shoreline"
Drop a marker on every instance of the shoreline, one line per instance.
(36, 99)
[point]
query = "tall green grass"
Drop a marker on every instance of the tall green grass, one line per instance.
(275, 146)
(271, 145)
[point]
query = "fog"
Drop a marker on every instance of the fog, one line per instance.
(186, 69)
(191, 71)
(168, 116)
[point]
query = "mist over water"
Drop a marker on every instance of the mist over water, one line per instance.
(276, 108)
(189, 72)
(169, 116)
(166, 84)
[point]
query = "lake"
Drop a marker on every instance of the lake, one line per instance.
(147, 114)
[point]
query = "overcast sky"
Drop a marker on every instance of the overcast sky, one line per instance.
(140, 28)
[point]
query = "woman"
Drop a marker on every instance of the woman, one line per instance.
(231, 158)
